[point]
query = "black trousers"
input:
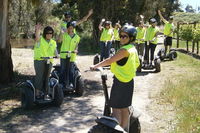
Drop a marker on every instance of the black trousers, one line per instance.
(151, 47)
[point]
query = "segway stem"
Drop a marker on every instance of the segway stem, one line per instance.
(107, 109)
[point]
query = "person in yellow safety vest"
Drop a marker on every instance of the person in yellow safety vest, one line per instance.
(116, 40)
(140, 37)
(45, 46)
(123, 65)
(150, 41)
(70, 41)
(168, 31)
(107, 36)
(68, 18)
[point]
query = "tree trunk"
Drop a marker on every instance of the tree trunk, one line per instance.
(6, 66)
(187, 45)
(197, 47)
(177, 38)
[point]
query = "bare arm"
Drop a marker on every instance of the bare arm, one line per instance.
(37, 32)
(85, 17)
(118, 56)
(142, 19)
(162, 18)
(101, 23)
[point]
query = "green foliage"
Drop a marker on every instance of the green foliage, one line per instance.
(88, 46)
(182, 90)
(186, 33)
(196, 34)
(186, 17)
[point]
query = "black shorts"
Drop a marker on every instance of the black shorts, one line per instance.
(121, 94)
(168, 41)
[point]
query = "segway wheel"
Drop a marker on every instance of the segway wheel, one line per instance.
(139, 69)
(161, 54)
(27, 98)
(58, 96)
(134, 125)
(172, 55)
(96, 59)
(157, 65)
(79, 87)
(100, 128)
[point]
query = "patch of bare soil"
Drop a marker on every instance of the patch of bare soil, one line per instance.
(77, 114)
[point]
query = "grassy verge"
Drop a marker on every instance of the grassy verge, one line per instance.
(182, 89)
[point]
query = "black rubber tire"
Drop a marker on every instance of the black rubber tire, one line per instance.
(99, 128)
(161, 54)
(58, 96)
(135, 126)
(172, 55)
(157, 65)
(139, 69)
(79, 87)
(96, 59)
(27, 97)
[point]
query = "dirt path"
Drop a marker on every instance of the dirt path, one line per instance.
(77, 114)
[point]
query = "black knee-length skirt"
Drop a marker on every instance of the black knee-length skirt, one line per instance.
(121, 94)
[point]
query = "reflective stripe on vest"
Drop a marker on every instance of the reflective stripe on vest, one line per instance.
(127, 72)
(69, 44)
(43, 48)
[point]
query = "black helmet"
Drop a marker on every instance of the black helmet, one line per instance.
(47, 30)
(130, 30)
(108, 22)
(152, 20)
(68, 13)
(72, 23)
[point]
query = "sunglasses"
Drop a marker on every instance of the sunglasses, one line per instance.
(50, 33)
(123, 36)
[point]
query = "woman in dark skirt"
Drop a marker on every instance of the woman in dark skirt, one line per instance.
(123, 65)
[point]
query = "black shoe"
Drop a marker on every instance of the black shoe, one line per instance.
(40, 96)
(47, 97)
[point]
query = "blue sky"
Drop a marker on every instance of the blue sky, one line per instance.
(193, 3)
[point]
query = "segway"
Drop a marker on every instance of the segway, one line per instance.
(109, 124)
(172, 55)
(147, 66)
(78, 86)
(96, 59)
(53, 91)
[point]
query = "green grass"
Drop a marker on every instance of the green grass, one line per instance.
(182, 89)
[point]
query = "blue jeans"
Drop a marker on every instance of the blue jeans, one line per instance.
(105, 49)
(67, 72)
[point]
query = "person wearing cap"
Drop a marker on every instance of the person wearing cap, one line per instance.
(107, 36)
(150, 41)
(70, 41)
(123, 65)
(68, 18)
(45, 46)
(116, 40)
(140, 37)
(168, 31)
